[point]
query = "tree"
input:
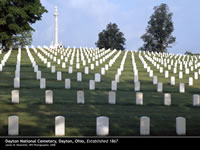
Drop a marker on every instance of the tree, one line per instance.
(23, 39)
(16, 17)
(158, 36)
(111, 38)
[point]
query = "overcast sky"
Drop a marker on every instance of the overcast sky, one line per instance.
(80, 21)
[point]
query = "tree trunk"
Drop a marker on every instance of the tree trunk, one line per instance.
(4, 43)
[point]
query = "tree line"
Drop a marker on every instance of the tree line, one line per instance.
(16, 18)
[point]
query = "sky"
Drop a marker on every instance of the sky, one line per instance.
(80, 22)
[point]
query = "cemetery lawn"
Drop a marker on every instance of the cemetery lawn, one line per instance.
(38, 119)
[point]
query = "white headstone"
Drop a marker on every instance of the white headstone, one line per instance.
(48, 64)
(38, 75)
(77, 66)
(13, 125)
(15, 96)
(106, 67)
(161, 69)
(117, 78)
(80, 97)
(63, 65)
(144, 125)
(139, 98)
(136, 78)
(196, 100)
(182, 88)
(92, 66)
(196, 76)
(175, 70)
(53, 69)
(167, 99)
(35, 68)
(137, 86)
(151, 73)
(159, 87)
(67, 83)
(180, 75)
(102, 126)
(112, 97)
(59, 76)
(59, 126)
(180, 126)
(86, 70)
(79, 76)
(58, 61)
(103, 71)
(166, 74)
(187, 71)
(42, 83)
(114, 85)
(1, 67)
(155, 80)
(49, 97)
(17, 82)
(172, 81)
(97, 77)
(92, 85)
(190, 81)
(70, 70)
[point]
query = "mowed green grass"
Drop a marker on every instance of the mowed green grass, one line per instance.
(38, 119)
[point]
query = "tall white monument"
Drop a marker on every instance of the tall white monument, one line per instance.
(56, 27)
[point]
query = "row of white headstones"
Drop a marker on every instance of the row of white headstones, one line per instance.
(196, 98)
(169, 63)
(112, 94)
(111, 98)
(102, 122)
(102, 126)
(70, 70)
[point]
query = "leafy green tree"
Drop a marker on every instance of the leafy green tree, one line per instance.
(111, 38)
(158, 36)
(16, 17)
(23, 39)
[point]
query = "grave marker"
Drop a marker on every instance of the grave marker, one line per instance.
(80, 97)
(112, 97)
(70, 70)
(49, 97)
(180, 126)
(59, 126)
(79, 76)
(86, 70)
(97, 77)
(17, 82)
(144, 125)
(196, 100)
(182, 88)
(38, 75)
(155, 80)
(59, 76)
(114, 86)
(159, 87)
(42, 83)
(13, 125)
(15, 96)
(137, 86)
(92, 85)
(67, 83)
(102, 126)
(139, 98)
(53, 69)
(172, 81)
(167, 99)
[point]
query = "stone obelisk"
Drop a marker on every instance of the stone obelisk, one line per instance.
(56, 26)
